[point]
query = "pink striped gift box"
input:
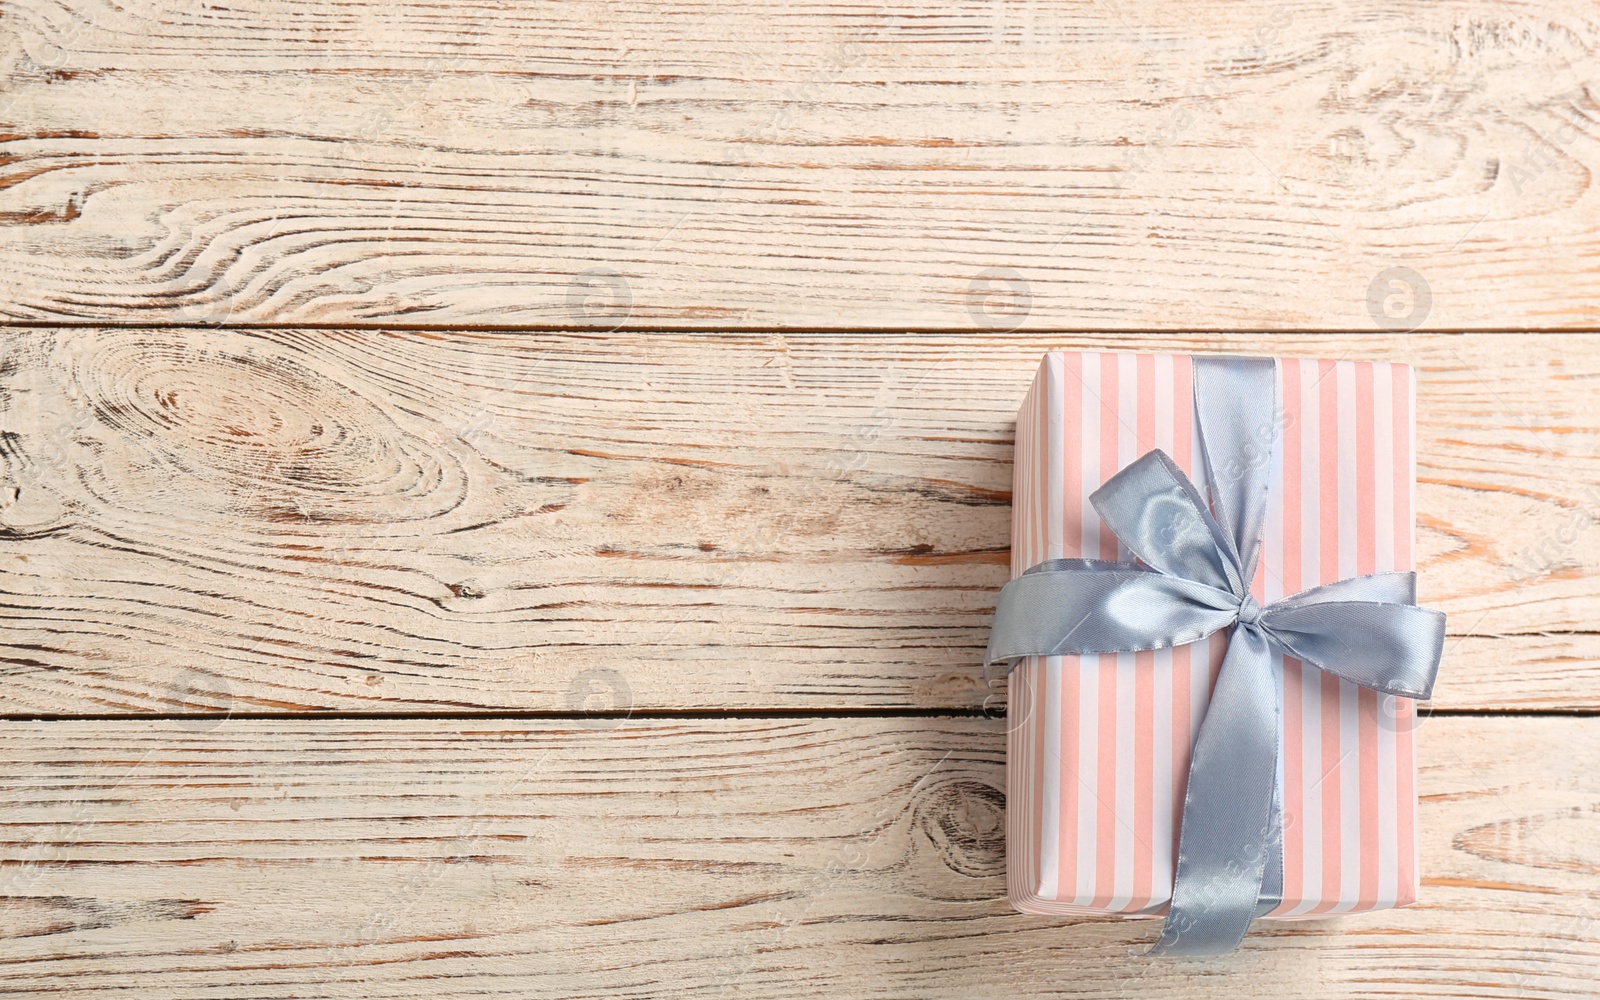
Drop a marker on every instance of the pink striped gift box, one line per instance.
(1098, 749)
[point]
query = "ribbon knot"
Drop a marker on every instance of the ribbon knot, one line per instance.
(1193, 578)
(1249, 611)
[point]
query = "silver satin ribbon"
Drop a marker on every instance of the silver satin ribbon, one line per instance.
(1192, 579)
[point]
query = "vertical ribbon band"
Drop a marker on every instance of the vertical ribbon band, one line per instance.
(1192, 576)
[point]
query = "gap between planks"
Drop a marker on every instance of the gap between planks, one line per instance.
(684, 715)
(812, 330)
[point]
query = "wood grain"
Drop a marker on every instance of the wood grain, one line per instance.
(819, 858)
(209, 521)
(1218, 166)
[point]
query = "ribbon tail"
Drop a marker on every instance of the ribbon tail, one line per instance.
(1236, 407)
(1228, 858)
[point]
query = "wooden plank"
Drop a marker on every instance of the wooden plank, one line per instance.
(794, 858)
(211, 521)
(1220, 165)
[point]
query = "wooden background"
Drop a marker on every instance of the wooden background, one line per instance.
(506, 499)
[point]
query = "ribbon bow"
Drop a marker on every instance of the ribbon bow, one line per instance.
(1192, 579)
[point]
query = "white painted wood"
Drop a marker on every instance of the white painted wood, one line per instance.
(1224, 165)
(778, 858)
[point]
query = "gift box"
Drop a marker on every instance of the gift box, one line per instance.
(1099, 745)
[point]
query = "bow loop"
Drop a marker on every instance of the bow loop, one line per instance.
(1390, 648)
(1112, 608)
(1156, 512)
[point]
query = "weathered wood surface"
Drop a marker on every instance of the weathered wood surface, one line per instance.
(289, 520)
(785, 859)
(1218, 165)
(207, 523)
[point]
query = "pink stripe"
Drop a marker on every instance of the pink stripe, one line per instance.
(1294, 838)
(1219, 650)
(1366, 473)
(1108, 439)
(1043, 489)
(1182, 665)
(1294, 845)
(1019, 854)
(1332, 845)
(1328, 447)
(1183, 413)
(1366, 562)
(1367, 724)
(1405, 709)
(1405, 473)
(1037, 498)
(1182, 742)
(1015, 853)
(1071, 666)
(1106, 786)
(1144, 672)
(1024, 511)
(1039, 489)
(1144, 679)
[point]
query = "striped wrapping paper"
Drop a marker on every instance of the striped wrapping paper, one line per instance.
(1098, 749)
